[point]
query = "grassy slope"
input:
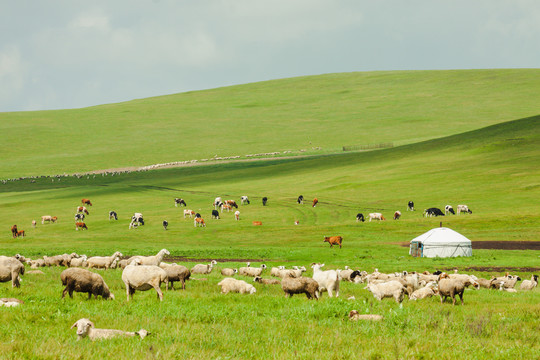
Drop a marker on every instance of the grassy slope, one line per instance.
(327, 111)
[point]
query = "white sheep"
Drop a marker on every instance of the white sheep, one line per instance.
(354, 315)
(392, 288)
(79, 262)
(296, 272)
(529, 284)
(143, 277)
(232, 285)
(275, 270)
(11, 269)
(176, 272)
(427, 291)
(328, 280)
(228, 271)
(151, 260)
(203, 269)
(86, 328)
(102, 262)
(10, 302)
(251, 271)
(348, 274)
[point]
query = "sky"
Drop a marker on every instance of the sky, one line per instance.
(60, 54)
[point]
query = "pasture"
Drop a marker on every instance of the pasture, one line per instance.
(492, 168)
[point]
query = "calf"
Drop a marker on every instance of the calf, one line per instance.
(79, 217)
(463, 208)
(449, 209)
(376, 216)
(14, 231)
(397, 215)
(48, 218)
(189, 213)
(360, 217)
(113, 215)
(217, 202)
(21, 233)
(315, 202)
(231, 203)
(178, 201)
(333, 240)
(237, 215)
(226, 207)
(410, 206)
(215, 214)
(80, 225)
(199, 222)
(433, 212)
(86, 202)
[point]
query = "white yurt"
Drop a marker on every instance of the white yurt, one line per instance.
(440, 242)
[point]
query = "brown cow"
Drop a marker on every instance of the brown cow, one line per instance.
(21, 233)
(81, 225)
(231, 203)
(315, 201)
(333, 240)
(199, 222)
(86, 202)
(14, 231)
(82, 209)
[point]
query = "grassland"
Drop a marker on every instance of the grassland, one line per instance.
(489, 162)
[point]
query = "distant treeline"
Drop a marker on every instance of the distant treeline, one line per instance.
(368, 146)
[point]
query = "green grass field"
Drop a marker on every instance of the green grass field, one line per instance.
(476, 142)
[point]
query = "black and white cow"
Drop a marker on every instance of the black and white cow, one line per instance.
(410, 206)
(113, 215)
(300, 199)
(180, 202)
(433, 212)
(136, 220)
(79, 217)
(215, 214)
(463, 208)
(197, 215)
(360, 217)
(449, 209)
(264, 200)
(244, 199)
(165, 224)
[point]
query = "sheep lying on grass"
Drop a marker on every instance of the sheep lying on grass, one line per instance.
(428, 291)
(355, 316)
(86, 329)
(103, 262)
(301, 285)
(228, 271)
(143, 277)
(251, 271)
(10, 302)
(79, 262)
(82, 280)
(176, 272)
(203, 269)
(260, 280)
(296, 272)
(392, 288)
(11, 269)
(275, 270)
(529, 284)
(232, 285)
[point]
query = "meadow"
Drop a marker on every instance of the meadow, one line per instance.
(487, 160)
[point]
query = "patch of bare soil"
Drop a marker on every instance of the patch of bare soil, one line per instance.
(500, 245)
(184, 259)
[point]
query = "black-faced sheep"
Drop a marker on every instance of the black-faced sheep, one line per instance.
(529, 284)
(82, 280)
(86, 328)
(301, 285)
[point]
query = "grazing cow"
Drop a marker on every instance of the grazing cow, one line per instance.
(264, 200)
(217, 202)
(136, 220)
(199, 222)
(231, 203)
(79, 217)
(237, 215)
(376, 216)
(315, 201)
(433, 212)
(113, 215)
(360, 217)
(226, 207)
(198, 215)
(189, 213)
(81, 225)
(165, 224)
(397, 215)
(14, 231)
(449, 209)
(244, 199)
(21, 233)
(296, 222)
(34, 223)
(48, 218)
(333, 240)
(463, 208)
(82, 209)
(86, 202)
(257, 223)
(410, 206)
(300, 199)
(215, 214)
(178, 201)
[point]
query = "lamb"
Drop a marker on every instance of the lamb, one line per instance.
(100, 262)
(176, 272)
(10, 302)
(203, 269)
(355, 316)
(502, 288)
(428, 291)
(151, 260)
(232, 285)
(392, 288)
(79, 262)
(260, 280)
(529, 284)
(228, 271)
(143, 277)
(301, 285)
(86, 328)
(249, 271)
(11, 269)
(451, 287)
(328, 280)
(82, 280)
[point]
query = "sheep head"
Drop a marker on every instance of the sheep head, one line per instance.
(83, 327)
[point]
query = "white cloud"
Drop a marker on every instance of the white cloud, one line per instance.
(11, 73)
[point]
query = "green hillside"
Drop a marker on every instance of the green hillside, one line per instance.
(326, 112)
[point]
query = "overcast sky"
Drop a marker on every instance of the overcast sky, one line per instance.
(68, 54)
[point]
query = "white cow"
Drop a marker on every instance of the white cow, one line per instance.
(189, 213)
(237, 215)
(376, 216)
(463, 208)
(244, 199)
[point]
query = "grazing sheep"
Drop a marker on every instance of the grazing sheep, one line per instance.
(529, 284)
(150, 260)
(86, 328)
(260, 280)
(82, 280)
(427, 291)
(34, 264)
(392, 288)
(508, 282)
(301, 285)
(143, 277)
(232, 285)
(348, 274)
(296, 272)
(451, 287)
(21, 258)
(228, 271)
(102, 262)
(275, 270)
(176, 272)
(328, 280)
(250, 271)
(11, 269)
(485, 283)
(79, 262)
(203, 269)
(10, 302)
(355, 316)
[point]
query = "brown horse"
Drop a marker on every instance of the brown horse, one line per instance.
(14, 231)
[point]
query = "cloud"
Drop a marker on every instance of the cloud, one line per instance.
(11, 73)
